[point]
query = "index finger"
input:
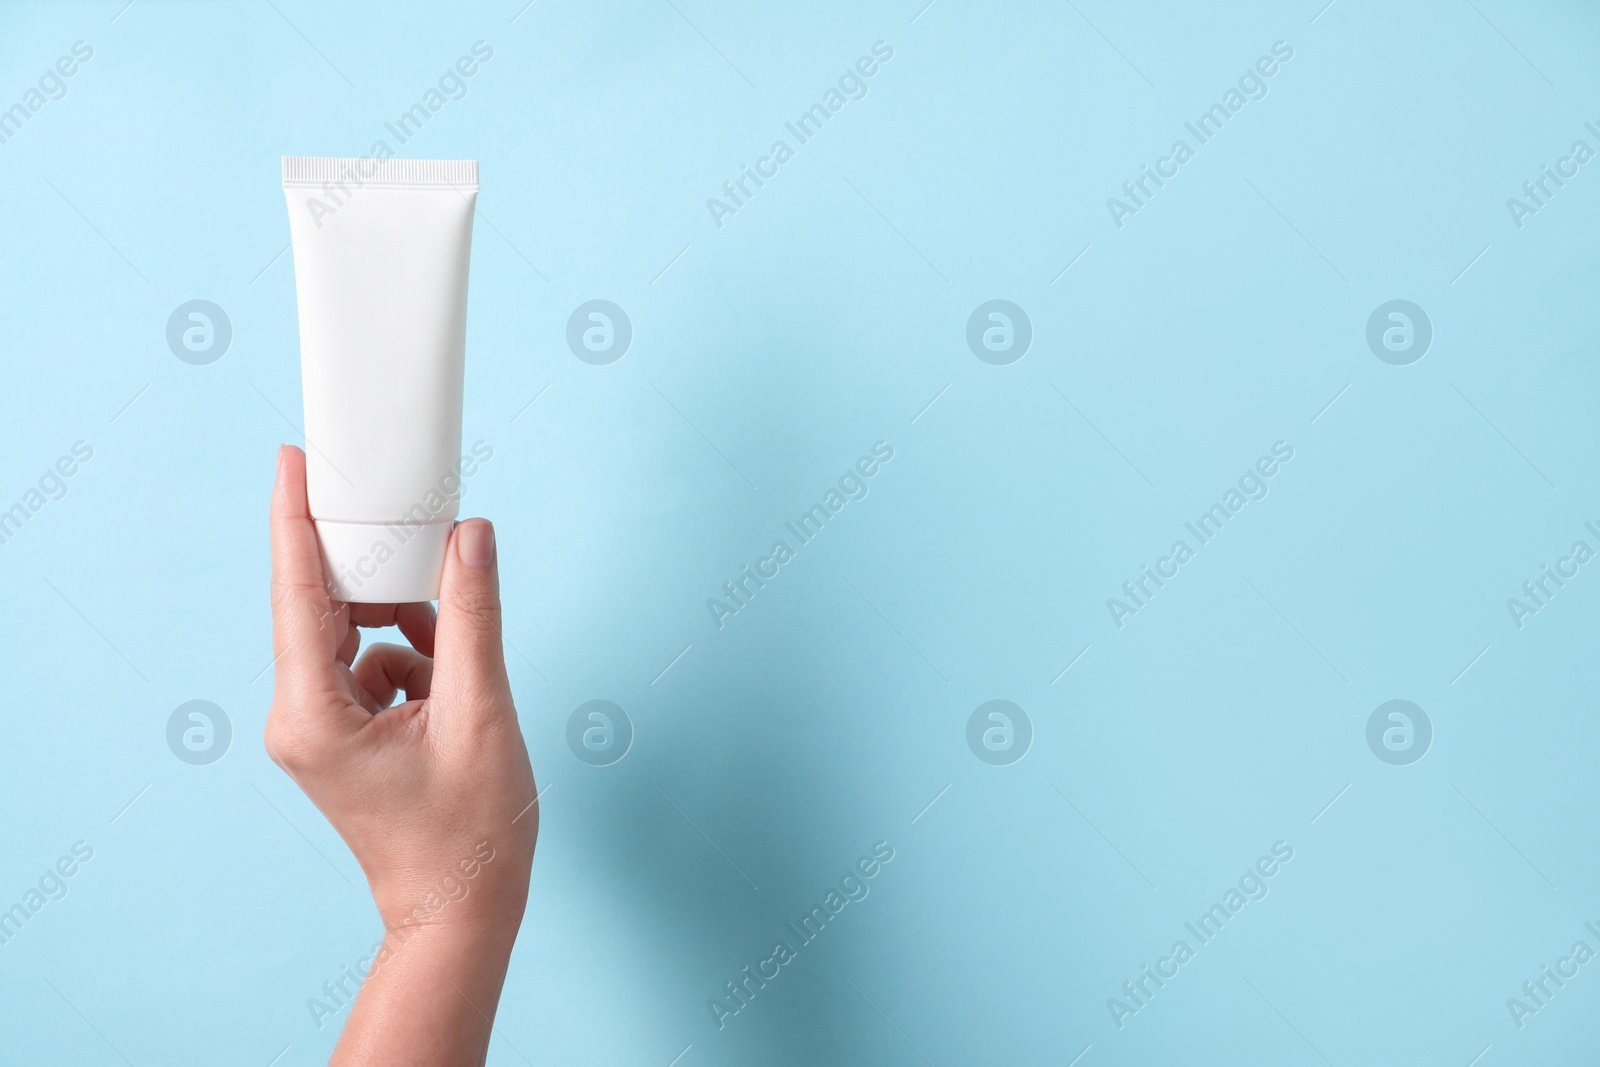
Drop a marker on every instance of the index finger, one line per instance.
(304, 634)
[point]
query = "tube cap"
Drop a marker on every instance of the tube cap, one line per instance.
(368, 563)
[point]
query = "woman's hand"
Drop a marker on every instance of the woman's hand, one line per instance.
(433, 795)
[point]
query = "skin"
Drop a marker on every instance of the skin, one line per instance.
(434, 795)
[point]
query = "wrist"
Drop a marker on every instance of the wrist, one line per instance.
(481, 922)
(442, 945)
(481, 897)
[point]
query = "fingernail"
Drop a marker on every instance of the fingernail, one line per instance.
(283, 452)
(475, 543)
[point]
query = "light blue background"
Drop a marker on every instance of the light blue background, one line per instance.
(823, 317)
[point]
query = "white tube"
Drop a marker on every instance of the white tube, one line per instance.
(380, 274)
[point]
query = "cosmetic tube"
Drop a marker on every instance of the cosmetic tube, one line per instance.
(380, 275)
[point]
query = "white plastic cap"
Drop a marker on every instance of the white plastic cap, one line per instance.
(375, 564)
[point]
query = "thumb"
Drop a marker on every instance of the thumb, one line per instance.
(469, 657)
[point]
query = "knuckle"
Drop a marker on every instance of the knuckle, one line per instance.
(480, 610)
(294, 596)
(288, 747)
(287, 589)
(273, 740)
